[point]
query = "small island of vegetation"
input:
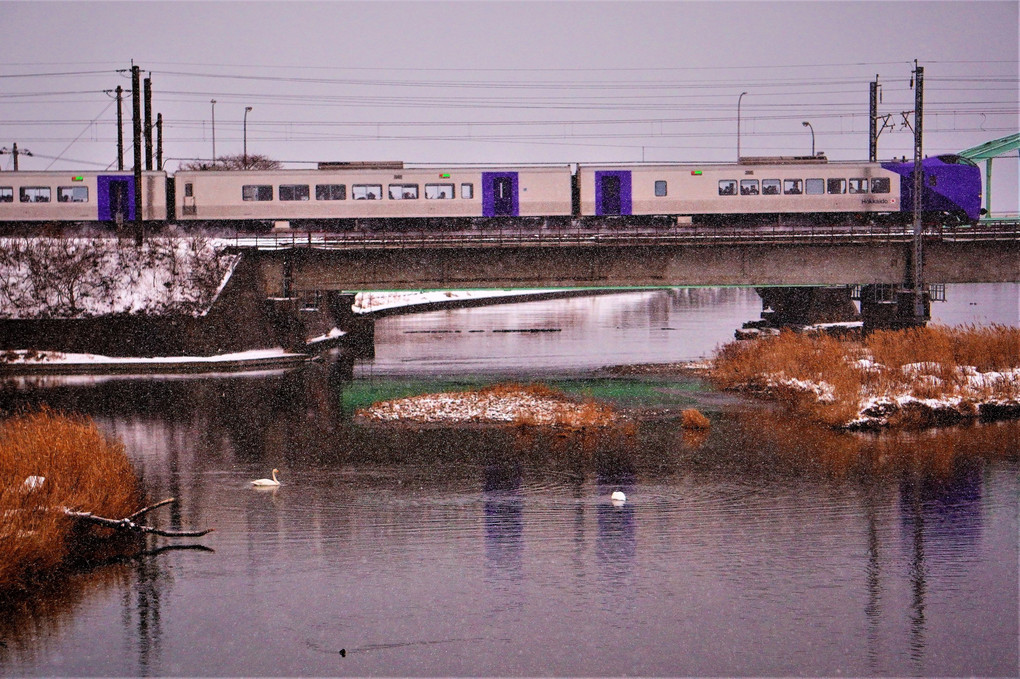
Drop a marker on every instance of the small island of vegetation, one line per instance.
(916, 377)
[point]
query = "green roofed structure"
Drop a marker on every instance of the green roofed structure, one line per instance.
(988, 151)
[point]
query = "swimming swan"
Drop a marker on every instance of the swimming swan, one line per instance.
(618, 498)
(267, 482)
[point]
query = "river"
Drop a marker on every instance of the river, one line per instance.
(764, 546)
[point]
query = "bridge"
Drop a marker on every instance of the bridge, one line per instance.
(804, 273)
(778, 255)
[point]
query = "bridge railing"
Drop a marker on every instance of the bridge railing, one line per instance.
(606, 236)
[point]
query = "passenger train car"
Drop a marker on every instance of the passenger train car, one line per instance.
(769, 188)
(80, 197)
(347, 196)
(344, 196)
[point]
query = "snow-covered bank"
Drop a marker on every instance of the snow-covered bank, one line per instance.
(374, 302)
(99, 276)
(29, 362)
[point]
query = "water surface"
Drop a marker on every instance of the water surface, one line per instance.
(761, 547)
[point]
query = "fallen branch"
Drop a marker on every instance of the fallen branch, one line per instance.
(129, 524)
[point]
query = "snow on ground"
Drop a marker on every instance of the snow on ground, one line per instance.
(367, 302)
(501, 406)
(96, 276)
(53, 361)
(974, 391)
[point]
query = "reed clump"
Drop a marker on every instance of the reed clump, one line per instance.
(80, 469)
(918, 375)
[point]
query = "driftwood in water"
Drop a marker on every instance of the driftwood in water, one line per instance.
(128, 523)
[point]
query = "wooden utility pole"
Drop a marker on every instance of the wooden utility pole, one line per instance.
(15, 151)
(120, 127)
(159, 141)
(148, 123)
(136, 102)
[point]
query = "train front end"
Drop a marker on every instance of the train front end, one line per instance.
(951, 189)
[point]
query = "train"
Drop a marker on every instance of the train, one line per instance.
(392, 195)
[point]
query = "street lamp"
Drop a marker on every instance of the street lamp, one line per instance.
(213, 102)
(808, 125)
(246, 109)
(738, 124)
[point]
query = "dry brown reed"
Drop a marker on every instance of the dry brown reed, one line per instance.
(829, 378)
(83, 470)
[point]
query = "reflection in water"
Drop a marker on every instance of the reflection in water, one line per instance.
(504, 523)
(762, 546)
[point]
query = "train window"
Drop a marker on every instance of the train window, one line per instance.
(403, 191)
(189, 190)
(835, 186)
(35, 194)
(257, 192)
(793, 187)
(330, 192)
(749, 187)
(858, 185)
(467, 191)
(727, 187)
(770, 187)
(880, 185)
(814, 187)
(438, 191)
(366, 191)
(6, 194)
(72, 194)
(294, 192)
(660, 188)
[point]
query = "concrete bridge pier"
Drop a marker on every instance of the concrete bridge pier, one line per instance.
(888, 307)
(360, 328)
(807, 305)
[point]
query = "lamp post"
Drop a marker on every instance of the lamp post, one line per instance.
(246, 109)
(808, 125)
(738, 124)
(213, 102)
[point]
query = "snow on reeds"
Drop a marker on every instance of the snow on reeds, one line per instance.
(68, 463)
(529, 405)
(921, 375)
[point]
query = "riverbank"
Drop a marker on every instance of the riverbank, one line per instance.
(918, 377)
(30, 362)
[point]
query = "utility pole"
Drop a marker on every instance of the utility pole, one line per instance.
(14, 151)
(148, 122)
(136, 102)
(919, 293)
(213, 102)
(873, 131)
(120, 127)
(159, 141)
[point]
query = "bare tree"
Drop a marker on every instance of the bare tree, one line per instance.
(252, 161)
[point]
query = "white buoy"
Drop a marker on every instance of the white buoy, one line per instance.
(32, 483)
(618, 498)
(267, 482)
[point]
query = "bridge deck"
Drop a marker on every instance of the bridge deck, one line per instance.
(775, 235)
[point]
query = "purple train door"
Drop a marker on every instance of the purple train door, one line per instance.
(116, 199)
(612, 193)
(499, 194)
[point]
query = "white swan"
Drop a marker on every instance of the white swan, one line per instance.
(618, 498)
(267, 482)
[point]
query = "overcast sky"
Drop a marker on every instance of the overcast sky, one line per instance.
(508, 82)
